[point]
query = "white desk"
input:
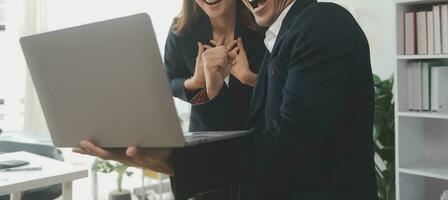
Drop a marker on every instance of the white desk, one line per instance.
(53, 172)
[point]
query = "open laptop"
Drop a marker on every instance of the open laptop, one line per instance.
(106, 82)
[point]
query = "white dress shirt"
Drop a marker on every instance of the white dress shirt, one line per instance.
(272, 33)
(274, 29)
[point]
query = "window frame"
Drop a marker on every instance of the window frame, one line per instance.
(2, 10)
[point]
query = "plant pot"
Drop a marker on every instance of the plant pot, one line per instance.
(117, 195)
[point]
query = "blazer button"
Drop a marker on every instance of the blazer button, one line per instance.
(274, 72)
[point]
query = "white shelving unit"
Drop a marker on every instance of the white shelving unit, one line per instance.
(421, 57)
(2, 15)
(427, 169)
(426, 115)
(421, 137)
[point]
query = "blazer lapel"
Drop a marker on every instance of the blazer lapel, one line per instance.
(259, 95)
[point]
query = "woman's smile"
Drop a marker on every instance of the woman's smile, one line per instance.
(212, 2)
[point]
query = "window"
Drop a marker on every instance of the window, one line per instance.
(12, 67)
(62, 14)
(2, 112)
(2, 15)
(19, 108)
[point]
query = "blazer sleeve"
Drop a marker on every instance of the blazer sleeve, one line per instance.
(314, 99)
(176, 68)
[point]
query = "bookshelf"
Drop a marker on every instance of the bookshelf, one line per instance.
(421, 57)
(417, 2)
(427, 169)
(421, 137)
(425, 115)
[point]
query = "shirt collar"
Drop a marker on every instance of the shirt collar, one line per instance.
(274, 29)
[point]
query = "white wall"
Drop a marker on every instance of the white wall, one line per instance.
(376, 18)
(66, 13)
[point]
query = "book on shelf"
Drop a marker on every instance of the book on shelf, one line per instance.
(417, 86)
(410, 32)
(444, 25)
(422, 33)
(425, 31)
(411, 92)
(426, 91)
(430, 29)
(439, 92)
(426, 88)
(437, 30)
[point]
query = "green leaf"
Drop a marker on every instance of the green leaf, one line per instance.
(384, 137)
(376, 79)
(102, 166)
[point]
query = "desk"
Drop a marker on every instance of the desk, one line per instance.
(53, 172)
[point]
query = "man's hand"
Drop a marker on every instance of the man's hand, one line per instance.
(198, 79)
(217, 64)
(241, 69)
(158, 160)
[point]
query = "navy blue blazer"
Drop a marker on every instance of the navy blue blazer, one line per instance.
(229, 110)
(312, 110)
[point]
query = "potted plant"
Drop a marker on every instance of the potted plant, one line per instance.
(120, 169)
(384, 138)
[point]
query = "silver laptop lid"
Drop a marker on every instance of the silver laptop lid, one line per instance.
(106, 82)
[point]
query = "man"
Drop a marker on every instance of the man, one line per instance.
(312, 111)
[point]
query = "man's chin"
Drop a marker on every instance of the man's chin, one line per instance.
(262, 22)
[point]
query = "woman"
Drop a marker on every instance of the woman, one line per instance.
(202, 25)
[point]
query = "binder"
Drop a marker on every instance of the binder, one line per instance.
(422, 33)
(426, 104)
(439, 93)
(430, 28)
(410, 32)
(437, 30)
(444, 25)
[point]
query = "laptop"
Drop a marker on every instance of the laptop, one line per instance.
(106, 82)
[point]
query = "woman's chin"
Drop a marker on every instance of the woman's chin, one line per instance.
(213, 14)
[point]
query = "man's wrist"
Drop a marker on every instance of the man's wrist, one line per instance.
(248, 78)
(192, 84)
